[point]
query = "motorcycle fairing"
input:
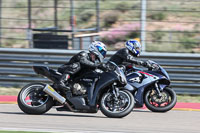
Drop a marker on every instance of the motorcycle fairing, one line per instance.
(130, 88)
(79, 103)
(139, 94)
(149, 78)
(47, 72)
(160, 75)
(100, 82)
(90, 85)
(145, 80)
(163, 80)
(106, 79)
(94, 92)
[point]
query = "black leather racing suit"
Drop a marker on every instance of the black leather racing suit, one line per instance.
(122, 57)
(78, 64)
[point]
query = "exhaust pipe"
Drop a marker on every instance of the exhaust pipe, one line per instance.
(49, 90)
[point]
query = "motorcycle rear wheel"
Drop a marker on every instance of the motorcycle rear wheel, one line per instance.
(122, 108)
(163, 104)
(32, 100)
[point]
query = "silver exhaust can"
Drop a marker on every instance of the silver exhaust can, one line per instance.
(49, 90)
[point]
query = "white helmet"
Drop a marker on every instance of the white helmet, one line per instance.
(134, 47)
(99, 49)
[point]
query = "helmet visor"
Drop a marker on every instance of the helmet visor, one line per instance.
(102, 51)
(138, 49)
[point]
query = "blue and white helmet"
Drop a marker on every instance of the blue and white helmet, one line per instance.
(134, 47)
(99, 49)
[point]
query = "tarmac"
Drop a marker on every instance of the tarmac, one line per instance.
(4, 99)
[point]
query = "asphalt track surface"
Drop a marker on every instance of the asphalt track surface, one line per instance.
(139, 121)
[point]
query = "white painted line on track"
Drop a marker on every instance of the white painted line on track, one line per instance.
(55, 131)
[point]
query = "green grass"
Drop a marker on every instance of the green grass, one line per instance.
(86, 19)
(166, 47)
(9, 91)
(188, 98)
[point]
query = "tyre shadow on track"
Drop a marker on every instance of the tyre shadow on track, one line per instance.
(139, 110)
(16, 113)
(54, 114)
(75, 115)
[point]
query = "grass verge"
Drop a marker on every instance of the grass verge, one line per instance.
(9, 91)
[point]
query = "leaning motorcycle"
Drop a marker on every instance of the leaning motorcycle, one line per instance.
(151, 87)
(88, 93)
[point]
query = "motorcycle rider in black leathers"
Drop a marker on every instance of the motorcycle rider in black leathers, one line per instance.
(129, 54)
(83, 62)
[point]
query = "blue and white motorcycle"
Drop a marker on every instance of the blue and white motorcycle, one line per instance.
(151, 87)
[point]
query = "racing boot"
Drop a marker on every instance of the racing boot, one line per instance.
(63, 81)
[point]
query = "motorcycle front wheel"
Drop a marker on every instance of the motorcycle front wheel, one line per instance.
(117, 107)
(162, 103)
(33, 100)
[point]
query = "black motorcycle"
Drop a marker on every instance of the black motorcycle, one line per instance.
(95, 90)
(151, 87)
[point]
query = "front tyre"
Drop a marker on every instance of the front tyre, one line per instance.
(160, 104)
(117, 108)
(33, 100)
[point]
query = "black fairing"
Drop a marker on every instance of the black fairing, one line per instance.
(42, 70)
(100, 83)
(89, 80)
(96, 84)
(79, 103)
(106, 79)
(45, 71)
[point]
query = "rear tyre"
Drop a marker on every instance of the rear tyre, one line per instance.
(160, 104)
(32, 100)
(117, 108)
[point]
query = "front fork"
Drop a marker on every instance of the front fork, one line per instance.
(115, 91)
(158, 89)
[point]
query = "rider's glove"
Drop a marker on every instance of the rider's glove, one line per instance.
(155, 67)
(145, 64)
(122, 67)
(141, 63)
(103, 67)
(152, 65)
